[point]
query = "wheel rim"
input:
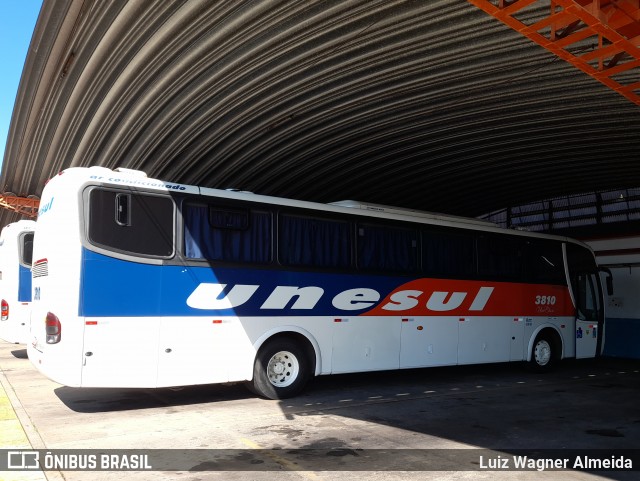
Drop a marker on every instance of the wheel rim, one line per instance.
(283, 369)
(542, 352)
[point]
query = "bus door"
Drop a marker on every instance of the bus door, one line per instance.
(587, 294)
(587, 316)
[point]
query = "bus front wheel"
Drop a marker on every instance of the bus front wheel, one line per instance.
(280, 370)
(543, 353)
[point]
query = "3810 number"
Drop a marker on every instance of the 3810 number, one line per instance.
(545, 300)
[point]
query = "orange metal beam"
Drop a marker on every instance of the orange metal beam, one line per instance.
(612, 56)
(22, 205)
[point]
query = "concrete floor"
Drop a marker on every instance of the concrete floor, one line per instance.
(438, 423)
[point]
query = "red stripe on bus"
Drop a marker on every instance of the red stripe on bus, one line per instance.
(461, 298)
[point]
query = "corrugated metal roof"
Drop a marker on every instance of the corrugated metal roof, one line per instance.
(430, 105)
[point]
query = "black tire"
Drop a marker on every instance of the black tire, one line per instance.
(281, 369)
(543, 353)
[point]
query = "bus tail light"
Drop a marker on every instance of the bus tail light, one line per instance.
(53, 328)
(4, 310)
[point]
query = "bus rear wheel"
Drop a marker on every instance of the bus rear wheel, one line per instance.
(280, 370)
(542, 354)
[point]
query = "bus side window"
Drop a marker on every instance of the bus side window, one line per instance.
(220, 233)
(26, 253)
(387, 248)
(500, 257)
(448, 254)
(133, 223)
(544, 263)
(314, 242)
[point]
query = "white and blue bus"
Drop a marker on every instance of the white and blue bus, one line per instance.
(16, 247)
(139, 282)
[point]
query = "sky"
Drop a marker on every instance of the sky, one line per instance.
(17, 20)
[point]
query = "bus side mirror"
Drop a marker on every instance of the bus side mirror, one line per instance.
(608, 280)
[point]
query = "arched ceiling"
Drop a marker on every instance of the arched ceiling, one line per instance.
(426, 104)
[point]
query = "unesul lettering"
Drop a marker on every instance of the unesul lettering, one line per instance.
(210, 296)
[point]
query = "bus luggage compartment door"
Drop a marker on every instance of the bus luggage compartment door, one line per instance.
(120, 352)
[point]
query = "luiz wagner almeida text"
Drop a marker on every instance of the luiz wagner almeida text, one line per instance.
(516, 462)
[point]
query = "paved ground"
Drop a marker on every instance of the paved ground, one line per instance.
(382, 426)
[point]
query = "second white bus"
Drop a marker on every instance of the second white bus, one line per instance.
(16, 246)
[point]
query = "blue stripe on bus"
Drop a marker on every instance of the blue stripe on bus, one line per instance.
(24, 284)
(115, 287)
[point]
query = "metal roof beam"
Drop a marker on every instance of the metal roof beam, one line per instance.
(27, 206)
(615, 25)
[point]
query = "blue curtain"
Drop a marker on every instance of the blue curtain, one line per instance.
(314, 242)
(500, 257)
(387, 249)
(448, 255)
(231, 236)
